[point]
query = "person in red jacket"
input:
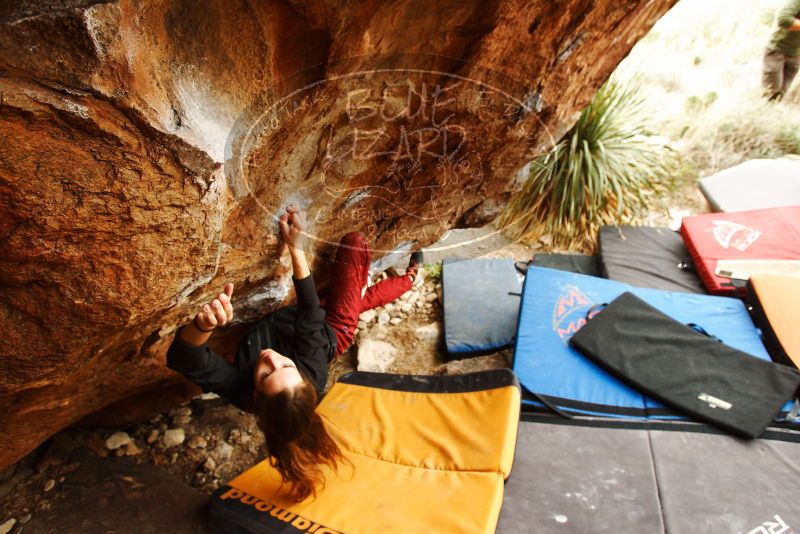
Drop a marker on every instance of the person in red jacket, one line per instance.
(281, 367)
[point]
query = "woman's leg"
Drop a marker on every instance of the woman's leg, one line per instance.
(348, 277)
(390, 289)
(385, 291)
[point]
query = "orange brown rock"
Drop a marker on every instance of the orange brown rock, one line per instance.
(145, 147)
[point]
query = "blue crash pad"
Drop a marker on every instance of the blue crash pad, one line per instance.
(554, 306)
(481, 305)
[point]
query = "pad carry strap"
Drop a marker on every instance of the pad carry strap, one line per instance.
(594, 310)
(793, 416)
(552, 407)
(699, 329)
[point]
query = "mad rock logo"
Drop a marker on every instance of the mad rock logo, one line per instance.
(569, 313)
(734, 235)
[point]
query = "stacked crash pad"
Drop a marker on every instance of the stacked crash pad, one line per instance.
(574, 263)
(555, 305)
(481, 301)
(755, 184)
(722, 243)
(774, 300)
(421, 454)
(685, 367)
(647, 257)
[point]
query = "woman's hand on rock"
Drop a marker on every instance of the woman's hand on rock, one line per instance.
(218, 312)
(293, 226)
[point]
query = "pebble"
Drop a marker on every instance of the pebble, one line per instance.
(6, 527)
(173, 437)
(361, 325)
(181, 415)
(223, 451)
(50, 484)
(429, 333)
(198, 442)
(413, 297)
(389, 307)
(25, 518)
(368, 316)
(430, 297)
(396, 320)
(419, 303)
(182, 419)
(152, 436)
(133, 449)
(180, 412)
(383, 318)
(117, 440)
(406, 307)
(209, 465)
(375, 356)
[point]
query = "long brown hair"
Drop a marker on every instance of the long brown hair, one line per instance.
(297, 442)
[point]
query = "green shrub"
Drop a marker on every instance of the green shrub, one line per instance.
(433, 272)
(600, 172)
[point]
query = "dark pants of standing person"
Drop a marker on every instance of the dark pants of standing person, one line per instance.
(344, 302)
(779, 72)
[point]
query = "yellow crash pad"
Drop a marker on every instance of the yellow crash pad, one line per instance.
(428, 454)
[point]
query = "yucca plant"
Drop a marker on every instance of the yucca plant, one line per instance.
(600, 172)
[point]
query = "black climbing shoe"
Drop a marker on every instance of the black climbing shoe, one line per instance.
(414, 264)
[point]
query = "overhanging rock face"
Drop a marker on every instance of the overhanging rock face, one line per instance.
(147, 145)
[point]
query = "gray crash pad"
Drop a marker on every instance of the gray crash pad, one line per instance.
(755, 184)
(597, 475)
(573, 263)
(481, 304)
(717, 483)
(570, 478)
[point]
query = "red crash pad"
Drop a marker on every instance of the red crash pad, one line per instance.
(770, 234)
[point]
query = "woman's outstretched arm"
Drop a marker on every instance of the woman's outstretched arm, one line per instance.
(293, 228)
(218, 312)
(312, 342)
(191, 356)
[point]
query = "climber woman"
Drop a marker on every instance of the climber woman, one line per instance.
(281, 367)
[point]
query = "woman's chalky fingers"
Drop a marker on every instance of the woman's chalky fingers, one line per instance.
(210, 318)
(219, 312)
(226, 305)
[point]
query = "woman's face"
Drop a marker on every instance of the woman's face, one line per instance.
(275, 373)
